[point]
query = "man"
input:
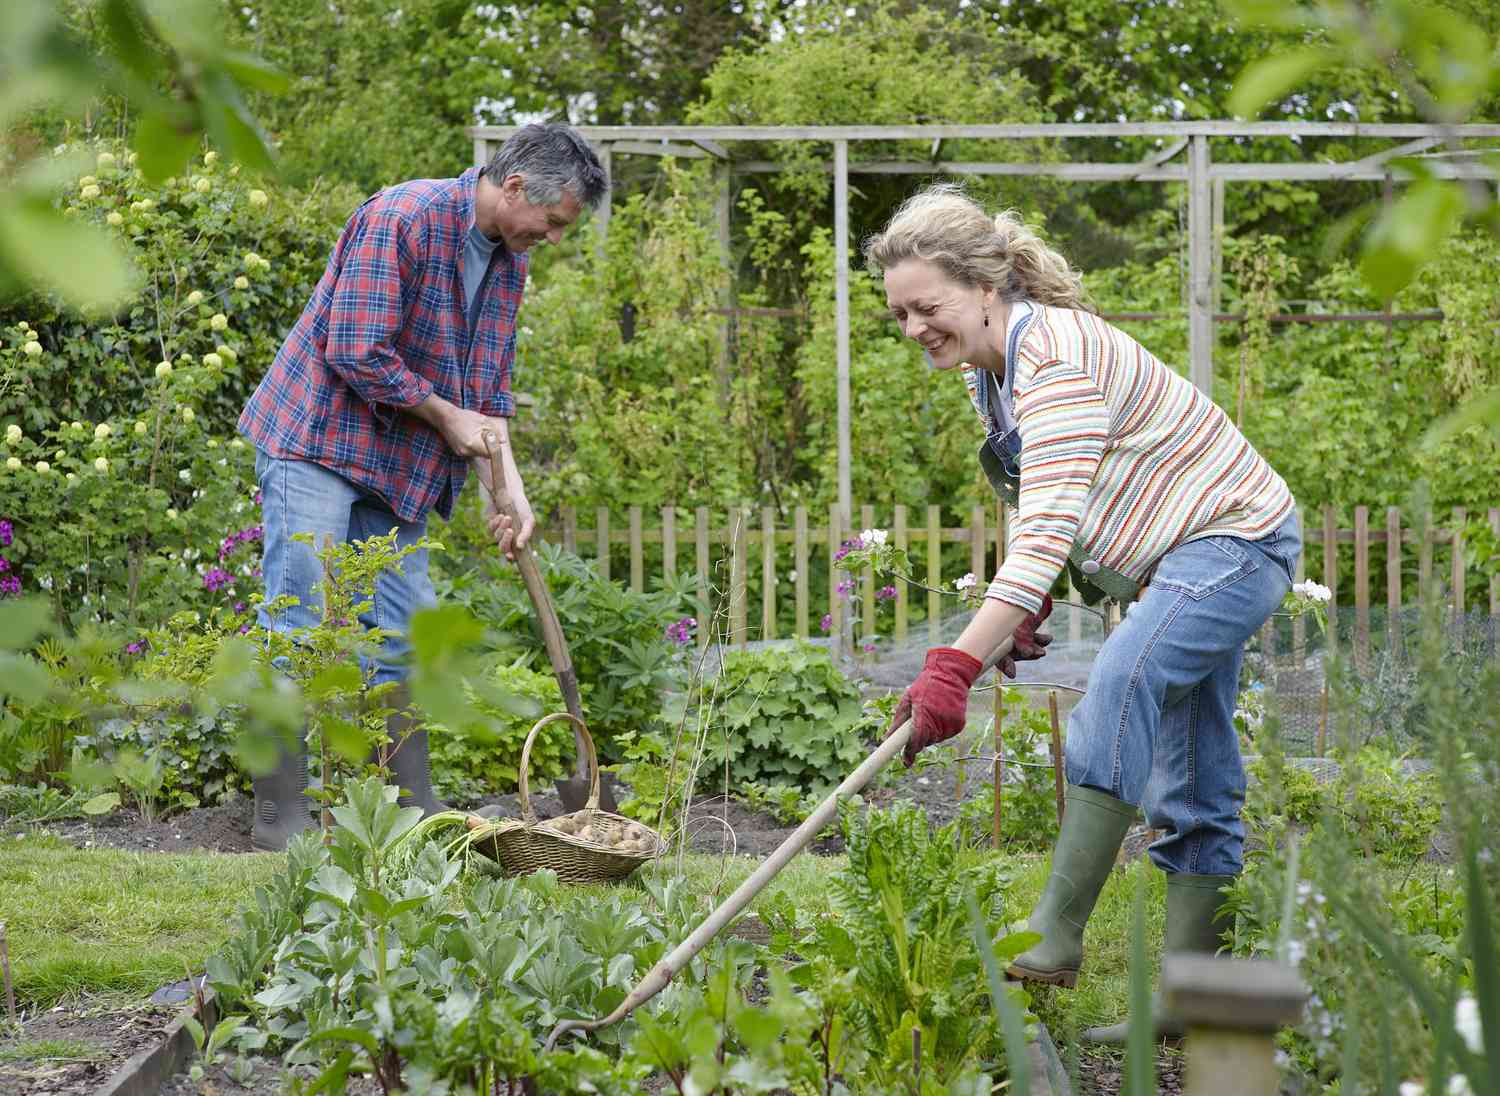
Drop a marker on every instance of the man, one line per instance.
(381, 395)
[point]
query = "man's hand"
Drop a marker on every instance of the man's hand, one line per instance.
(462, 429)
(508, 534)
(938, 701)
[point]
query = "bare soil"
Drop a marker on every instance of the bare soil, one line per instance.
(109, 1037)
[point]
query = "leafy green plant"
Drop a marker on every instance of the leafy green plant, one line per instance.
(1028, 816)
(465, 769)
(782, 715)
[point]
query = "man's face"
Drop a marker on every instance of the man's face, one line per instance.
(503, 211)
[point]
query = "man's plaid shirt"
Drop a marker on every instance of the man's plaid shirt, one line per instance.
(385, 328)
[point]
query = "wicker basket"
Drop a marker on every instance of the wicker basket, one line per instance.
(526, 845)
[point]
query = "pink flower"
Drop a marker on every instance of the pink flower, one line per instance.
(885, 593)
(827, 622)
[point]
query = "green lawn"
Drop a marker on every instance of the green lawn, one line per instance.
(100, 921)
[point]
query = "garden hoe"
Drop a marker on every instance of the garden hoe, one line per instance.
(574, 790)
(657, 978)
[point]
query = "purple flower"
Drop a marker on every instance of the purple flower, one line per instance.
(7, 531)
(4, 565)
(10, 585)
(869, 648)
(239, 606)
(216, 579)
(845, 586)
(681, 632)
(244, 629)
(827, 622)
(136, 647)
(847, 547)
(885, 593)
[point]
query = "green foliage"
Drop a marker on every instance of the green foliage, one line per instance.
(1028, 818)
(465, 769)
(616, 638)
(782, 716)
(194, 754)
(901, 927)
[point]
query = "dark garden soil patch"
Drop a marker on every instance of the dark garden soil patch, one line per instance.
(102, 1039)
(1102, 1072)
(222, 828)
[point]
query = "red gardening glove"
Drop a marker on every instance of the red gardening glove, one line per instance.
(1030, 643)
(938, 700)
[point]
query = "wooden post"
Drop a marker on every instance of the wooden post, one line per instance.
(1058, 777)
(934, 573)
(700, 545)
(1331, 576)
(1362, 584)
(570, 529)
(637, 552)
(800, 550)
(899, 535)
(767, 572)
(739, 542)
(1200, 267)
(867, 582)
(606, 161)
(841, 305)
(601, 540)
(1495, 588)
(998, 767)
(1233, 1009)
(1424, 556)
(835, 608)
(668, 543)
(1393, 577)
(1460, 576)
(977, 546)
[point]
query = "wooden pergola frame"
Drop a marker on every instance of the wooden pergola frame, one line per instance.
(1205, 181)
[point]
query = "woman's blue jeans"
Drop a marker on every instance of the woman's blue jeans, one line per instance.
(298, 496)
(1156, 727)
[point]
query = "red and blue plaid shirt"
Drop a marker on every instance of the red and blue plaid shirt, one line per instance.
(386, 328)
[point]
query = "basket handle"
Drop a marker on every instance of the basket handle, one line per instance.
(590, 754)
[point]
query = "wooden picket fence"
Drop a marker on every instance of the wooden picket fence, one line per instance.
(730, 534)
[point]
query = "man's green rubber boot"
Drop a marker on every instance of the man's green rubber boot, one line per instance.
(1093, 825)
(282, 809)
(1193, 903)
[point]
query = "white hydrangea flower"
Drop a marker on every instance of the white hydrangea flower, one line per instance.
(185, 475)
(242, 282)
(1313, 590)
(259, 198)
(140, 427)
(870, 538)
(187, 414)
(195, 297)
(163, 370)
(213, 361)
(114, 219)
(32, 348)
(101, 464)
(968, 582)
(13, 434)
(43, 467)
(105, 159)
(219, 321)
(102, 431)
(89, 192)
(13, 463)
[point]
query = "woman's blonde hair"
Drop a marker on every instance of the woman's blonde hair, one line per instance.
(944, 226)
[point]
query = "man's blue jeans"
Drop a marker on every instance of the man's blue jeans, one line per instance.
(1156, 727)
(301, 497)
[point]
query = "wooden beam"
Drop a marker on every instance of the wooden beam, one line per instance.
(841, 295)
(1405, 149)
(664, 148)
(713, 148)
(607, 161)
(1200, 269)
(1132, 172)
(1156, 159)
(1019, 131)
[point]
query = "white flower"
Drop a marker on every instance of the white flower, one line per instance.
(43, 467)
(219, 321)
(12, 434)
(209, 157)
(1466, 1022)
(32, 348)
(105, 159)
(163, 370)
(235, 443)
(202, 185)
(184, 475)
(227, 353)
(171, 514)
(792, 577)
(102, 431)
(872, 537)
(75, 425)
(101, 464)
(212, 443)
(187, 414)
(147, 204)
(71, 477)
(89, 192)
(213, 361)
(87, 180)
(242, 282)
(968, 582)
(259, 198)
(115, 219)
(140, 427)
(195, 297)
(13, 463)
(1313, 591)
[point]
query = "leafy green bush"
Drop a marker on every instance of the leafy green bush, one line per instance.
(466, 768)
(783, 715)
(617, 639)
(1028, 816)
(196, 754)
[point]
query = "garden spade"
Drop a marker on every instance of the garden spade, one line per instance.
(574, 790)
(657, 977)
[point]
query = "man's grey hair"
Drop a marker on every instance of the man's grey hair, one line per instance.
(550, 158)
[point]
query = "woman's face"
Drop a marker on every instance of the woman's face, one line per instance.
(944, 317)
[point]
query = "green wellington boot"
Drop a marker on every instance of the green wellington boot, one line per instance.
(411, 768)
(1193, 903)
(282, 810)
(1093, 825)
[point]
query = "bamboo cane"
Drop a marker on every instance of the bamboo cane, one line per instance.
(1057, 755)
(657, 977)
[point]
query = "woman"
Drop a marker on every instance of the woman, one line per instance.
(1134, 480)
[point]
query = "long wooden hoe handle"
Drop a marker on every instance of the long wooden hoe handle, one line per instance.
(657, 977)
(541, 600)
